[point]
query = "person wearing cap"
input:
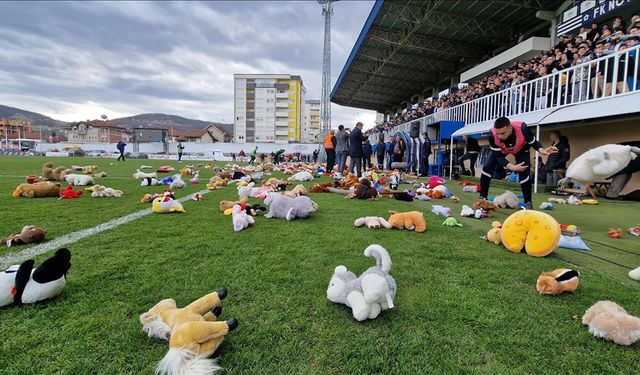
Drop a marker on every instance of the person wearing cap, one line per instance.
(471, 154)
(511, 138)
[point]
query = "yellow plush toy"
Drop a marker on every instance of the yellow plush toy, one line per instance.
(535, 231)
(164, 205)
(408, 220)
(494, 234)
(296, 191)
(193, 333)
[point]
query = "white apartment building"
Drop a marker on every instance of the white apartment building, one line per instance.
(310, 121)
(268, 108)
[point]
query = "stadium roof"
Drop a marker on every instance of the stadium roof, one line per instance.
(411, 47)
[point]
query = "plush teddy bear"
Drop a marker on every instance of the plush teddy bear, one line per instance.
(177, 182)
(412, 220)
(484, 204)
(467, 211)
(364, 190)
(139, 175)
(507, 199)
(284, 207)
(60, 173)
(422, 194)
(193, 332)
(599, 163)
(372, 222)
(79, 179)
(610, 321)
(47, 171)
(163, 205)
(240, 218)
(39, 190)
(296, 191)
(245, 190)
(29, 234)
(494, 234)
(225, 205)
(320, 188)
(441, 210)
(22, 284)
(368, 294)
(301, 177)
(558, 281)
(99, 191)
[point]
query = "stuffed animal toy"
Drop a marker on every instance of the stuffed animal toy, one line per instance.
(558, 281)
(139, 175)
(364, 190)
(196, 197)
(394, 180)
(412, 220)
(635, 274)
(296, 191)
(320, 188)
(454, 199)
(451, 222)
(39, 190)
(177, 182)
(69, 193)
(441, 210)
(166, 181)
(148, 198)
(615, 233)
(404, 196)
(245, 190)
(635, 231)
(557, 200)
(470, 189)
(547, 206)
(60, 173)
(536, 232)
(507, 199)
(484, 204)
(435, 181)
(22, 284)
(609, 321)
(574, 200)
(100, 175)
(592, 202)
(435, 194)
(193, 332)
(29, 234)
(163, 205)
(494, 234)
(422, 194)
(32, 179)
(99, 191)
(187, 171)
(225, 205)
(599, 163)
(240, 218)
(372, 222)
(47, 171)
(368, 294)
(301, 176)
(195, 179)
(289, 208)
(467, 211)
(79, 179)
(480, 213)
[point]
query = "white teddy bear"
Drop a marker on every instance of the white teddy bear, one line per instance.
(600, 163)
(177, 182)
(301, 176)
(507, 199)
(372, 222)
(240, 218)
(368, 294)
(79, 179)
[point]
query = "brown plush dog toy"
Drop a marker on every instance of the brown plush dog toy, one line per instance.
(29, 234)
(39, 190)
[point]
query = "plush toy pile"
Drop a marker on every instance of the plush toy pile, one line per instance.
(368, 294)
(193, 332)
(23, 284)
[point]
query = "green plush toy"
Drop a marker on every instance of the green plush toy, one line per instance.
(451, 222)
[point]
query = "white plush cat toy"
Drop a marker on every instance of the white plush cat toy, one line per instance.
(23, 284)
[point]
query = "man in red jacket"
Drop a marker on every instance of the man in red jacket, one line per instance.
(511, 138)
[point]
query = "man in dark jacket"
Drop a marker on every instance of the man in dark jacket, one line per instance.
(367, 150)
(556, 165)
(380, 152)
(355, 149)
(425, 152)
(120, 146)
(473, 150)
(620, 180)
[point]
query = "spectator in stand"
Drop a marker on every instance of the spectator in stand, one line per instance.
(342, 147)
(367, 150)
(355, 149)
(581, 76)
(556, 164)
(471, 154)
(330, 150)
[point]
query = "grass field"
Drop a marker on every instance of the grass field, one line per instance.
(463, 305)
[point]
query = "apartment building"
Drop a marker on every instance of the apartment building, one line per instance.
(310, 121)
(96, 131)
(268, 108)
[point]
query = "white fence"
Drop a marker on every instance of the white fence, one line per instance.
(608, 76)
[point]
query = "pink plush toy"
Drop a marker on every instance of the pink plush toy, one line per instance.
(435, 181)
(240, 218)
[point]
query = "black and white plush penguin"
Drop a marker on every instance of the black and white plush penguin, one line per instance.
(23, 284)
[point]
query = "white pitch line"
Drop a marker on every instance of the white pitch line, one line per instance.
(16, 258)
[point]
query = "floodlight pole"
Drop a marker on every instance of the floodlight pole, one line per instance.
(325, 104)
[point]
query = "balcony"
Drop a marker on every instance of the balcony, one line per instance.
(282, 132)
(284, 95)
(282, 113)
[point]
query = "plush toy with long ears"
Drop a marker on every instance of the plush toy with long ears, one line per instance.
(23, 284)
(372, 222)
(193, 332)
(558, 281)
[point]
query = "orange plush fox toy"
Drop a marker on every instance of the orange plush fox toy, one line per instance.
(558, 281)
(192, 331)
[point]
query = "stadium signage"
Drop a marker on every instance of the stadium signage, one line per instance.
(587, 11)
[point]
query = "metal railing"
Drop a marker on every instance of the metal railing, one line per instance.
(611, 75)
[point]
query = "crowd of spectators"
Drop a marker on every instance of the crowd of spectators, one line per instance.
(591, 43)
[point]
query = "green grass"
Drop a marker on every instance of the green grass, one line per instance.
(463, 305)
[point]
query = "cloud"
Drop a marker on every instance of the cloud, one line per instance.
(78, 60)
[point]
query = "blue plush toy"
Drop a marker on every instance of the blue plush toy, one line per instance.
(167, 180)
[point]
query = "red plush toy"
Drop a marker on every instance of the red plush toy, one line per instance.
(69, 193)
(435, 181)
(615, 233)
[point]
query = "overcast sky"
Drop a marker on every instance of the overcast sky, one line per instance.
(78, 60)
